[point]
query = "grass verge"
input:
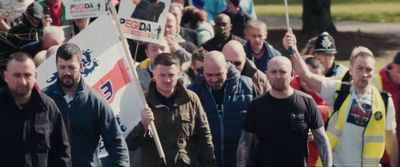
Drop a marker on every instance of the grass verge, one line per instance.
(387, 12)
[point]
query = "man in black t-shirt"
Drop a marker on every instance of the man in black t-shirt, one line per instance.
(280, 120)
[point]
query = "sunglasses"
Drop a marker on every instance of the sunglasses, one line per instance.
(236, 63)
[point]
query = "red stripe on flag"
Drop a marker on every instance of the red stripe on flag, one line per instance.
(113, 81)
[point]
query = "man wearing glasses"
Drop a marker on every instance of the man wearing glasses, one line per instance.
(234, 53)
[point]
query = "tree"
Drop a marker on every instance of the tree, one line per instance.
(317, 17)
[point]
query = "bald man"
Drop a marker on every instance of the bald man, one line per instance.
(224, 94)
(222, 30)
(280, 119)
(234, 53)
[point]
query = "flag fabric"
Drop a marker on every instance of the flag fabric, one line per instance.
(105, 69)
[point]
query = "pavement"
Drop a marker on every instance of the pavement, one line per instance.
(342, 26)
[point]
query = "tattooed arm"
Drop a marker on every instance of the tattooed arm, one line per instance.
(324, 148)
(243, 152)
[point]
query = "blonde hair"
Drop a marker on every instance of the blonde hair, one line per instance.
(256, 24)
(360, 51)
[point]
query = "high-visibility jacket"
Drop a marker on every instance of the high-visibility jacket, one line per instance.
(374, 133)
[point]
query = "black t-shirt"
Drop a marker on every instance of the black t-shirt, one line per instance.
(281, 127)
(219, 98)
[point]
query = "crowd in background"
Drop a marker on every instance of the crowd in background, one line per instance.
(217, 91)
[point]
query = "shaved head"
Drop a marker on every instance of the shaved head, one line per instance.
(279, 73)
(280, 60)
(215, 69)
(223, 17)
(223, 26)
(234, 53)
(215, 58)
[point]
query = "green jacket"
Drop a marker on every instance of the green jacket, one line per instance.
(183, 131)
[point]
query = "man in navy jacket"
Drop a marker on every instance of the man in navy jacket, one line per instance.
(224, 94)
(86, 114)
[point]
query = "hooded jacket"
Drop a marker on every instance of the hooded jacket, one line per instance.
(226, 126)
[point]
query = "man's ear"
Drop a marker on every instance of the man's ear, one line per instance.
(5, 76)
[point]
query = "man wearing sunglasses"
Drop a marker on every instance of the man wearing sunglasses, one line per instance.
(234, 53)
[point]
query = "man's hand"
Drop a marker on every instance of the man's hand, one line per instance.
(46, 20)
(289, 40)
(173, 44)
(147, 116)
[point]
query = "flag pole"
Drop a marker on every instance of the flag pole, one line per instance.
(137, 84)
(288, 29)
(287, 15)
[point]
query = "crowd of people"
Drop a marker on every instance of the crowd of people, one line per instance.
(219, 94)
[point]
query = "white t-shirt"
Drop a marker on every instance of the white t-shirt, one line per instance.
(348, 150)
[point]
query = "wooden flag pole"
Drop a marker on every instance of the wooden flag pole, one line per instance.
(288, 29)
(137, 84)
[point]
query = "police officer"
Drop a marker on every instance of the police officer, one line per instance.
(325, 50)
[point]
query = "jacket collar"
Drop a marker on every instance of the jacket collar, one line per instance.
(181, 98)
(36, 100)
(79, 90)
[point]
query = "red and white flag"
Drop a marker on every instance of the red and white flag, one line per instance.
(105, 69)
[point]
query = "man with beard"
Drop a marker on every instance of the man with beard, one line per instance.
(360, 126)
(148, 10)
(32, 129)
(223, 35)
(87, 115)
(224, 94)
(293, 111)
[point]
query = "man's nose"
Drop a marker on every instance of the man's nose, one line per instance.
(23, 81)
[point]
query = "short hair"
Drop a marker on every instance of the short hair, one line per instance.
(256, 24)
(167, 59)
(360, 51)
(313, 62)
(68, 51)
(199, 54)
(19, 57)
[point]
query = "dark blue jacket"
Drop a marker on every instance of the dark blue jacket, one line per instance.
(269, 53)
(87, 117)
(226, 128)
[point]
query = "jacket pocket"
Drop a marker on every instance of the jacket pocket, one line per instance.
(42, 137)
(186, 124)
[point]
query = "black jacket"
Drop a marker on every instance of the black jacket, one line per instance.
(33, 135)
(217, 43)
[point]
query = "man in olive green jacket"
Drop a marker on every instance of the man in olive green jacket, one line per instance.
(181, 122)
